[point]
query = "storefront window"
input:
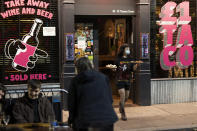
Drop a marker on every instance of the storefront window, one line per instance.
(29, 45)
(158, 40)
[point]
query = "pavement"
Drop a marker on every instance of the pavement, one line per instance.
(162, 117)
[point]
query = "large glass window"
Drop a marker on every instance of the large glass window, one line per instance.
(157, 42)
(16, 21)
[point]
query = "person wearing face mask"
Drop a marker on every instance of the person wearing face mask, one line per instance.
(33, 108)
(124, 71)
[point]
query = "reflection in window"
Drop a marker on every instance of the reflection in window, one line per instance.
(157, 43)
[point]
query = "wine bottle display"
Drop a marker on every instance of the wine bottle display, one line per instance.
(31, 42)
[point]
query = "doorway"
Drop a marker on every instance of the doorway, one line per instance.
(107, 34)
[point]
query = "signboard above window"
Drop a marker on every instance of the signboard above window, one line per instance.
(105, 7)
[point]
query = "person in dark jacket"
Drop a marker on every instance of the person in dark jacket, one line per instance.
(90, 100)
(2, 97)
(33, 108)
(5, 104)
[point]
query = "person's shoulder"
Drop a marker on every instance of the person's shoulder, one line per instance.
(44, 99)
(22, 99)
(100, 74)
(122, 59)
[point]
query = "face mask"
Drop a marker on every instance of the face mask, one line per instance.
(127, 52)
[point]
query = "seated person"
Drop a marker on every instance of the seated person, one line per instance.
(2, 98)
(5, 104)
(2, 91)
(33, 108)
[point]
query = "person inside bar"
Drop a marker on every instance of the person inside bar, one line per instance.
(90, 100)
(33, 107)
(3, 103)
(125, 66)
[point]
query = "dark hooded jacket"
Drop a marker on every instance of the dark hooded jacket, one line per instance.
(23, 110)
(90, 101)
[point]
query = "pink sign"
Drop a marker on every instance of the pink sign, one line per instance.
(28, 7)
(22, 57)
(25, 77)
(184, 41)
(25, 52)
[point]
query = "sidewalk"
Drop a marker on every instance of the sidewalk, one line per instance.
(159, 117)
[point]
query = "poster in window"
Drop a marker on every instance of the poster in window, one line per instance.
(29, 44)
(144, 45)
(69, 46)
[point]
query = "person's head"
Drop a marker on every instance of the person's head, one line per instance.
(2, 91)
(124, 50)
(33, 89)
(83, 64)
